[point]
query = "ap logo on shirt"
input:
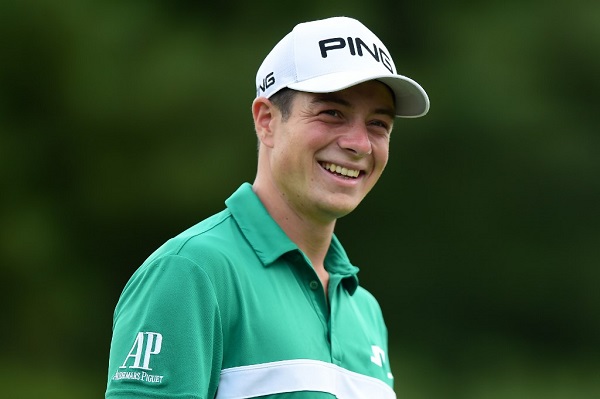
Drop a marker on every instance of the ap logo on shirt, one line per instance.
(152, 341)
(146, 345)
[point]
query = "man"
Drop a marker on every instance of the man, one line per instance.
(261, 300)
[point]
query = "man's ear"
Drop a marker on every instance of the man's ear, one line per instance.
(264, 114)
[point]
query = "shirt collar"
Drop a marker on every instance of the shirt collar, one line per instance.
(265, 236)
(338, 263)
(270, 242)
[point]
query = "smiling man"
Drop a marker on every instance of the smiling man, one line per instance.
(261, 300)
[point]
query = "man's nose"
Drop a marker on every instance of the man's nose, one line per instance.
(356, 140)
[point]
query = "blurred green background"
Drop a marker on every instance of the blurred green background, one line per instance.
(124, 122)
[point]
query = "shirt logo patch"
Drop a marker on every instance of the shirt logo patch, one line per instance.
(379, 358)
(146, 345)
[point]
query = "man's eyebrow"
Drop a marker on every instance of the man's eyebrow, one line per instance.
(390, 112)
(325, 98)
(329, 98)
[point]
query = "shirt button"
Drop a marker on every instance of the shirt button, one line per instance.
(314, 285)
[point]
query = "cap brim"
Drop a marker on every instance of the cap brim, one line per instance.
(411, 99)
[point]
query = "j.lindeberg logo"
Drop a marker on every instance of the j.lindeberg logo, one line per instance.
(146, 344)
(378, 358)
(355, 47)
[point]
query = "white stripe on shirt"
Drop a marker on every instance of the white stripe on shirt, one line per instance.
(299, 375)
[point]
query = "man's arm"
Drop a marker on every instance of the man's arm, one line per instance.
(167, 337)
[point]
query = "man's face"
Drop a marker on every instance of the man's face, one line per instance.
(332, 149)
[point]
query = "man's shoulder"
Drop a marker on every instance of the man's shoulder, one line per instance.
(366, 300)
(206, 239)
(208, 233)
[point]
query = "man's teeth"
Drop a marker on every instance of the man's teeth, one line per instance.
(341, 170)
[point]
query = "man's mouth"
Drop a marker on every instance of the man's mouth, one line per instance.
(340, 170)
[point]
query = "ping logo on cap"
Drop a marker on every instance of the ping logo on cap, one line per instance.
(355, 47)
(332, 54)
(267, 81)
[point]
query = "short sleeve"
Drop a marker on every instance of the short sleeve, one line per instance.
(167, 335)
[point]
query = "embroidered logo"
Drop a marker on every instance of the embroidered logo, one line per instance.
(355, 48)
(379, 358)
(146, 345)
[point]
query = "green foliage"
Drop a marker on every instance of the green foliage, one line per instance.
(123, 122)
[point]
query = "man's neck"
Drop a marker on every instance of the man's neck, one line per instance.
(313, 240)
(312, 236)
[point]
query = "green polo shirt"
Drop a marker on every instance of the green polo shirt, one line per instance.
(231, 308)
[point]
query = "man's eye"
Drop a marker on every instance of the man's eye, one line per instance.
(380, 124)
(331, 112)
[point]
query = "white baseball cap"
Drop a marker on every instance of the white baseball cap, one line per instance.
(333, 54)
